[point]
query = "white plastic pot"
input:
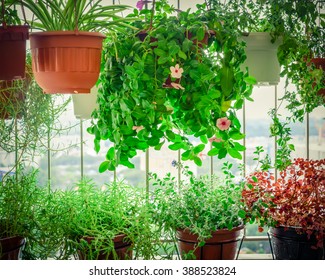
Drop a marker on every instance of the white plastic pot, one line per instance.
(262, 61)
(85, 104)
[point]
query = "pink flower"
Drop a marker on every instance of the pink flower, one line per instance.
(176, 72)
(177, 86)
(137, 128)
(215, 139)
(223, 123)
(201, 156)
(140, 5)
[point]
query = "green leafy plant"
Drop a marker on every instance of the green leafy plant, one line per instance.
(296, 199)
(28, 116)
(9, 13)
(298, 24)
(87, 212)
(54, 15)
(160, 85)
(201, 205)
(19, 194)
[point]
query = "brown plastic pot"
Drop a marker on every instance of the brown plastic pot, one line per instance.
(66, 61)
(121, 247)
(13, 51)
(320, 64)
(221, 246)
(10, 247)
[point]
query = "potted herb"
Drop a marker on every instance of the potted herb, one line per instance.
(19, 194)
(27, 116)
(108, 222)
(167, 88)
(203, 214)
(66, 58)
(293, 207)
(13, 37)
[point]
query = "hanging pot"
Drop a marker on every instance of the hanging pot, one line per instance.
(262, 61)
(320, 64)
(10, 247)
(85, 104)
(13, 51)
(287, 244)
(221, 246)
(66, 61)
(121, 247)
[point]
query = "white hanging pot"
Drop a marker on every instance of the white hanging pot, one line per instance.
(85, 104)
(262, 61)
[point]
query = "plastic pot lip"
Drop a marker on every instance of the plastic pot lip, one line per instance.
(15, 237)
(67, 33)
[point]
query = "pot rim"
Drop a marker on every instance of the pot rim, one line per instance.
(67, 33)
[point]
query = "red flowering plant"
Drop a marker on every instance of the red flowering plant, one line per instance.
(160, 85)
(295, 199)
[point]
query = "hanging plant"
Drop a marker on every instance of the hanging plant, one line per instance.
(66, 58)
(13, 37)
(170, 88)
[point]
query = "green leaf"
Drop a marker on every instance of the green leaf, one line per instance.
(110, 153)
(127, 163)
(158, 147)
(104, 166)
(198, 161)
(200, 33)
(170, 135)
(250, 80)
(254, 179)
(235, 154)
(160, 52)
(222, 153)
(227, 80)
(204, 139)
(239, 147)
(213, 152)
(175, 146)
(199, 148)
(181, 54)
(291, 147)
(96, 145)
(242, 214)
(236, 135)
(186, 155)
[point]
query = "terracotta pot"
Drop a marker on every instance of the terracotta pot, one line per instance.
(262, 60)
(11, 101)
(66, 61)
(121, 247)
(13, 51)
(287, 244)
(320, 64)
(10, 247)
(221, 246)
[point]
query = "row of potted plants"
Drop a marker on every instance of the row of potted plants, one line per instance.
(197, 87)
(204, 216)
